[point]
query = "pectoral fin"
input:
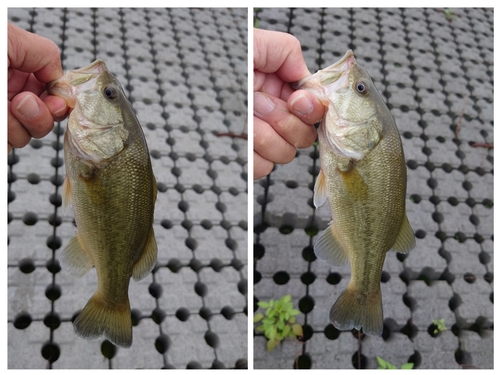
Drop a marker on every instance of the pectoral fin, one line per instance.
(406, 238)
(66, 192)
(75, 259)
(147, 261)
(320, 189)
(329, 249)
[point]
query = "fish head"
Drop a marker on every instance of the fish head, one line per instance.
(351, 126)
(97, 129)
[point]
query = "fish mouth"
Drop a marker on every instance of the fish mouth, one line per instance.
(348, 60)
(74, 81)
(332, 78)
(336, 75)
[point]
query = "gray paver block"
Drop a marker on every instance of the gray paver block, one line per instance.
(478, 348)
(282, 357)
(327, 354)
(426, 254)
(393, 304)
(433, 306)
(465, 258)
(27, 343)
(188, 334)
(475, 300)
(437, 352)
(396, 350)
(283, 251)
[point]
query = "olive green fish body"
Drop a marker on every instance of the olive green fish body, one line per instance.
(363, 177)
(110, 183)
(367, 225)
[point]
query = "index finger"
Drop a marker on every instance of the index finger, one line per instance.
(280, 53)
(32, 53)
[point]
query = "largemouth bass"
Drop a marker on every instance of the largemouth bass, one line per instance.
(110, 182)
(363, 176)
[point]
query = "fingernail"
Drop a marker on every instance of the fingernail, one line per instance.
(302, 105)
(262, 104)
(28, 107)
(61, 108)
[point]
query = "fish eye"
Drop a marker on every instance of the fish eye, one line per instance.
(361, 87)
(110, 92)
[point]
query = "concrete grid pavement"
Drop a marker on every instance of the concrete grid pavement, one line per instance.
(435, 73)
(185, 73)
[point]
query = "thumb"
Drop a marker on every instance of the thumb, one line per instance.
(32, 114)
(306, 106)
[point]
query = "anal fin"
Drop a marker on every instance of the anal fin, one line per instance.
(406, 238)
(75, 259)
(147, 261)
(329, 249)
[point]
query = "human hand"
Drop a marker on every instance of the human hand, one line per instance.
(283, 118)
(33, 61)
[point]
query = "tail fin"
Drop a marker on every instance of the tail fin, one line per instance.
(99, 318)
(355, 309)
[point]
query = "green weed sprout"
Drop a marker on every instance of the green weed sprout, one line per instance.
(256, 20)
(440, 327)
(448, 13)
(278, 321)
(385, 365)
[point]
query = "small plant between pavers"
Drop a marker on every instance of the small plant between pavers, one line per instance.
(449, 14)
(256, 20)
(384, 365)
(439, 325)
(278, 321)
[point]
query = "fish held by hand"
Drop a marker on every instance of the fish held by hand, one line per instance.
(363, 177)
(110, 183)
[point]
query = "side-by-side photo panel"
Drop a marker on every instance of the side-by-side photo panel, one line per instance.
(373, 188)
(127, 188)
